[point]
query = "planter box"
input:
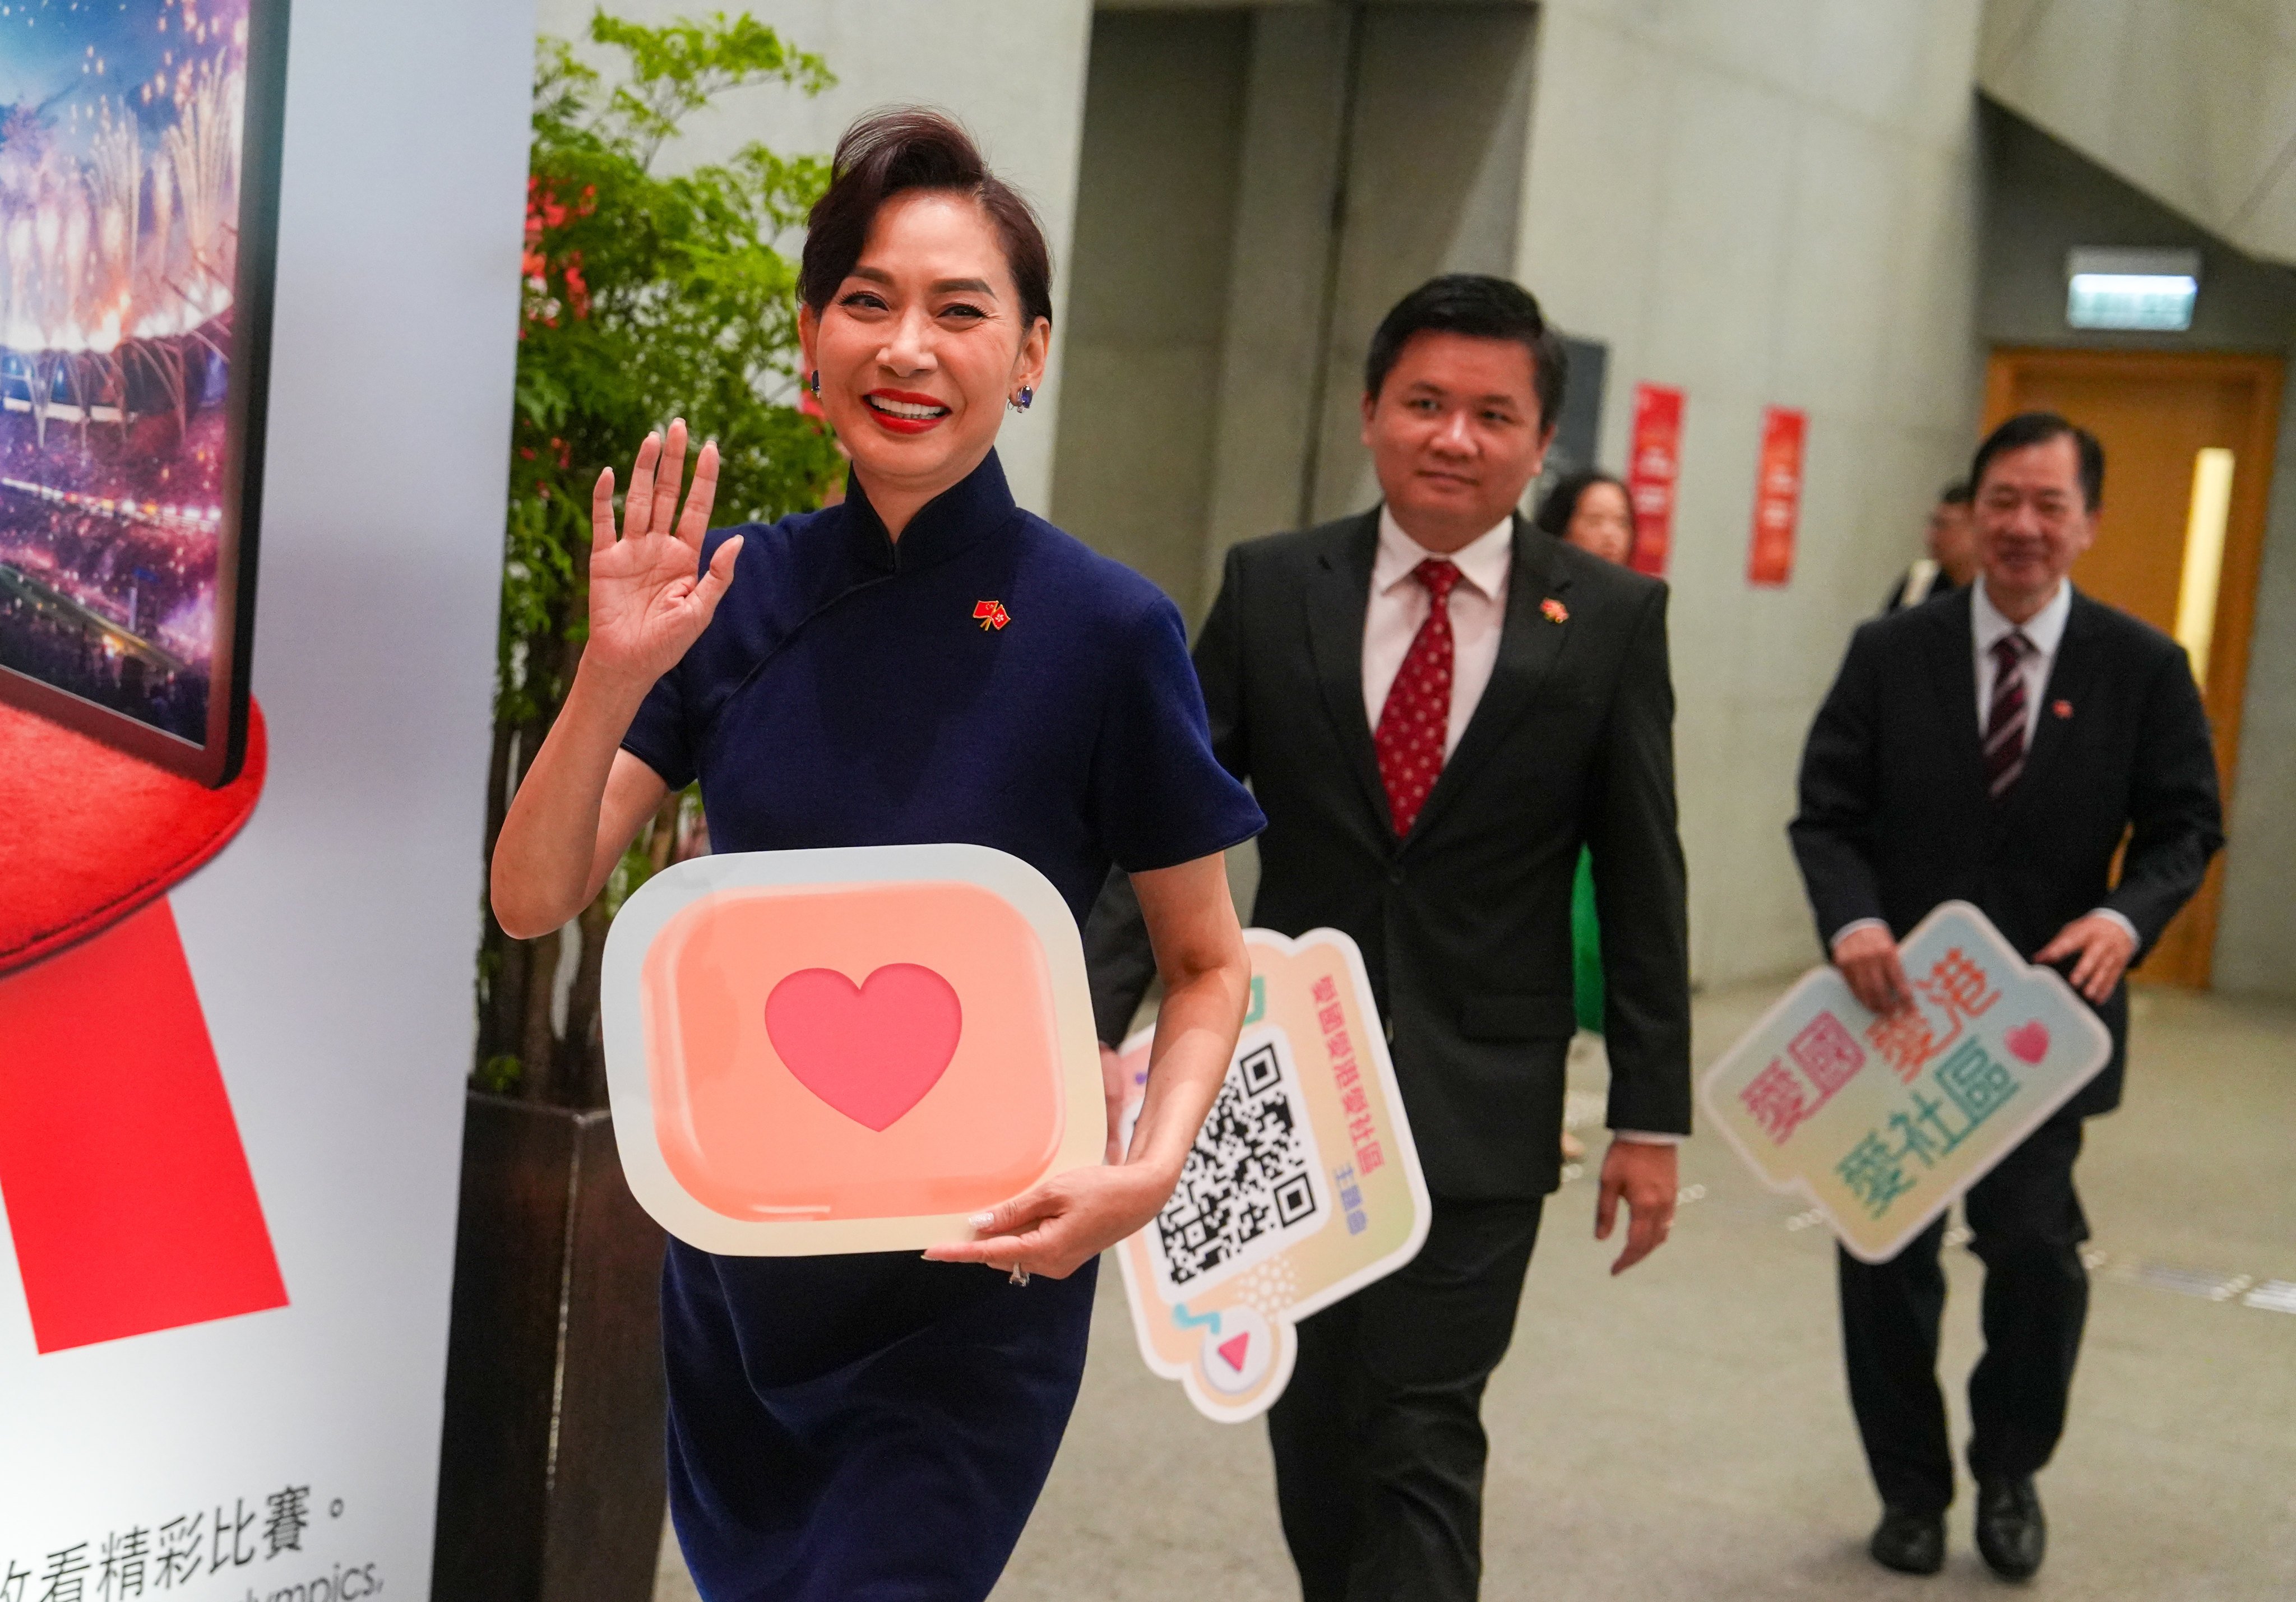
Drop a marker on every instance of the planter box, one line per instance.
(551, 1470)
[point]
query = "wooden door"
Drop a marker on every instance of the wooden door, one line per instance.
(2154, 412)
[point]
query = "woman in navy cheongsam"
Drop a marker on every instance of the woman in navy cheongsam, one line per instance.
(924, 663)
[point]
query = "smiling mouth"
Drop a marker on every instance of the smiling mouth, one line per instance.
(904, 409)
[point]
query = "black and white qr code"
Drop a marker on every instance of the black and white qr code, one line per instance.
(1250, 1184)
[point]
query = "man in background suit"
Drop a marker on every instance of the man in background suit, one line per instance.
(1952, 559)
(1994, 747)
(1436, 704)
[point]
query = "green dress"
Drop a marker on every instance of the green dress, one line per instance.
(1586, 947)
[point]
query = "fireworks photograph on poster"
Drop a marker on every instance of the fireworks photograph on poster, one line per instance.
(122, 134)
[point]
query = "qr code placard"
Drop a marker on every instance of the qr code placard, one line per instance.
(1251, 1183)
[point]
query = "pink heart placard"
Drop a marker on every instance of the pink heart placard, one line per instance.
(2028, 1042)
(873, 1050)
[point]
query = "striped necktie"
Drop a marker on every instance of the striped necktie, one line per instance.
(2004, 722)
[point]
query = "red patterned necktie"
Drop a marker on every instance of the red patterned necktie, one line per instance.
(1417, 716)
(2004, 721)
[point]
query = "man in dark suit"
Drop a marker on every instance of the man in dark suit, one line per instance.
(1952, 559)
(1437, 704)
(1995, 746)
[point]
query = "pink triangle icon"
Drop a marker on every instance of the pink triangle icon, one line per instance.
(1232, 1351)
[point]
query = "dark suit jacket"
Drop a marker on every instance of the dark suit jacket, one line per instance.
(1895, 818)
(1466, 923)
(1942, 585)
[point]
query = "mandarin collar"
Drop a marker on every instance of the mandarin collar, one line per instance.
(957, 519)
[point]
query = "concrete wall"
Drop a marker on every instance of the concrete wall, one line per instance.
(1259, 185)
(1770, 204)
(1438, 117)
(1155, 224)
(2192, 102)
(2042, 198)
(1013, 71)
(2256, 928)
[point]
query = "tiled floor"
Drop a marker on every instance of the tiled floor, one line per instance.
(1682, 1430)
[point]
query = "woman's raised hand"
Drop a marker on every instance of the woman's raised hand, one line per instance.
(646, 603)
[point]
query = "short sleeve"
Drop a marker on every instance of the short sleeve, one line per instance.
(1159, 795)
(660, 735)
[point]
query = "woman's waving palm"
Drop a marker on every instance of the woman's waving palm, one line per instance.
(647, 605)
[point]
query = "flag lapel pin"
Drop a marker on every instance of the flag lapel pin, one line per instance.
(992, 614)
(1554, 611)
(2062, 709)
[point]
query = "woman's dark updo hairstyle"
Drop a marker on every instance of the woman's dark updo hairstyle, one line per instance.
(1562, 502)
(911, 147)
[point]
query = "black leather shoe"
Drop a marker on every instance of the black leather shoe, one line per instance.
(1912, 1543)
(2011, 1534)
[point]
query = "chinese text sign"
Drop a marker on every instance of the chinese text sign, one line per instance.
(1654, 463)
(1302, 1187)
(1882, 1122)
(1777, 496)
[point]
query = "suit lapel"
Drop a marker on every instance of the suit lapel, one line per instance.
(1951, 648)
(1529, 644)
(2072, 672)
(1337, 599)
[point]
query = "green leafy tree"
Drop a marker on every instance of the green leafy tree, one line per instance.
(647, 295)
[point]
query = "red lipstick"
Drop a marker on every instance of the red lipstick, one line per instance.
(905, 411)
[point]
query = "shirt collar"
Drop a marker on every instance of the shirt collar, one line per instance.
(1484, 562)
(954, 520)
(2045, 628)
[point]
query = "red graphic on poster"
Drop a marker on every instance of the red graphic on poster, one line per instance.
(1652, 464)
(129, 1201)
(1777, 496)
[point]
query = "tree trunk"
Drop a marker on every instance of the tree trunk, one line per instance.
(582, 1054)
(537, 1052)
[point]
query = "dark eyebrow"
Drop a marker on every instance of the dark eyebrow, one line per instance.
(1498, 397)
(942, 286)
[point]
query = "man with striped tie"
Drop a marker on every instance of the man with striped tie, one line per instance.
(1996, 748)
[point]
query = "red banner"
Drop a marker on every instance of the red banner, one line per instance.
(1777, 496)
(1653, 462)
(127, 1191)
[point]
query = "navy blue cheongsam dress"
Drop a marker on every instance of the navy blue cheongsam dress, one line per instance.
(874, 1426)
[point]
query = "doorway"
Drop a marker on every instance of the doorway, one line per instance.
(2188, 444)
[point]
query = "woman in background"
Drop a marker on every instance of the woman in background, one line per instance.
(1593, 511)
(879, 1425)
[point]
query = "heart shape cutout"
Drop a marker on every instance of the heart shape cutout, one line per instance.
(1232, 1351)
(870, 1050)
(2028, 1042)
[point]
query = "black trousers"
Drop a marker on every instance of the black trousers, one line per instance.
(1379, 1437)
(2027, 1227)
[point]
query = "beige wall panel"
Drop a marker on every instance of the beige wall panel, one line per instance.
(1272, 341)
(1155, 218)
(2193, 101)
(1768, 204)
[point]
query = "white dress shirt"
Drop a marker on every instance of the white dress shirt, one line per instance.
(1399, 604)
(2046, 630)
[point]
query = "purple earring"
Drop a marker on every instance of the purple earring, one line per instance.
(815, 380)
(1026, 396)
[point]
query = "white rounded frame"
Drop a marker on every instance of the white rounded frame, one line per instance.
(629, 1084)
